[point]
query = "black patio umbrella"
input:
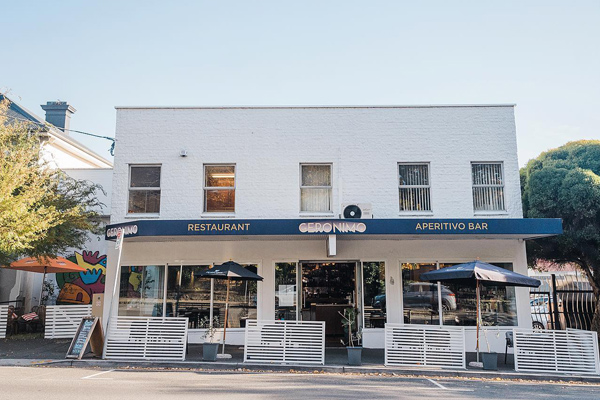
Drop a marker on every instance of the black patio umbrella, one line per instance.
(476, 273)
(229, 270)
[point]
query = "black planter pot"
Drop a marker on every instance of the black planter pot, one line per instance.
(209, 351)
(490, 361)
(354, 355)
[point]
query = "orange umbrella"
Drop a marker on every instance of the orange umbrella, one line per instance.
(45, 265)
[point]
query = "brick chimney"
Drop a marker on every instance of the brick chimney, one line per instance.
(58, 113)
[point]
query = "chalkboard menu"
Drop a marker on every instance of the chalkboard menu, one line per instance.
(88, 327)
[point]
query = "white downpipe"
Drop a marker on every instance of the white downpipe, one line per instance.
(112, 299)
(439, 292)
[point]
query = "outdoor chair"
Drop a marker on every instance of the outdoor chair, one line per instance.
(12, 327)
(509, 343)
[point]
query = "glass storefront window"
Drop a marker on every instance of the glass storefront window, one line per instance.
(285, 291)
(420, 298)
(188, 294)
(141, 291)
(242, 299)
(459, 301)
(498, 304)
(374, 294)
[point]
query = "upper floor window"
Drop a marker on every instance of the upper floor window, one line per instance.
(219, 188)
(144, 189)
(315, 188)
(488, 186)
(414, 187)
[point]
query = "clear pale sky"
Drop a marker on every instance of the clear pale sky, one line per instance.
(542, 55)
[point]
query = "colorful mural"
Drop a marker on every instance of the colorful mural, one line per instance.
(78, 288)
(134, 282)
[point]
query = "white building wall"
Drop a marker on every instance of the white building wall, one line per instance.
(268, 144)
(266, 253)
(364, 144)
(99, 176)
(59, 158)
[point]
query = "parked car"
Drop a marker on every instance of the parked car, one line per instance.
(425, 295)
(465, 318)
(541, 307)
(379, 301)
(421, 295)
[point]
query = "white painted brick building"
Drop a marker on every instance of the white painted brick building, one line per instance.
(448, 151)
(364, 144)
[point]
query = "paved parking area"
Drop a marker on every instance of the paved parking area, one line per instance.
(94, 384)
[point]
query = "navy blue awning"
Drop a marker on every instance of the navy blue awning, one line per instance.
(519, 228)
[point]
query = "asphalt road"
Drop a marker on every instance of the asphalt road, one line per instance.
(95, 384)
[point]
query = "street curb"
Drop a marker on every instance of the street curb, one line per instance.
(340, 369)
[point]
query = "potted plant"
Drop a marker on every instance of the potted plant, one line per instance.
(210, 347)
(243, 316)
(489, 359)
(353, 345)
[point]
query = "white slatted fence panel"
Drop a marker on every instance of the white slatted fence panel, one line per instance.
(424, 346)
(285, 342)
(3, 321)
(147, 338)
(569, 352)
(62, 321)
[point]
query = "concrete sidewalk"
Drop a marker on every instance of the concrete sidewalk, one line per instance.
(44, 352)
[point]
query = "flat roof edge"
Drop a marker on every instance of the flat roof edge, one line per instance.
(310, 107)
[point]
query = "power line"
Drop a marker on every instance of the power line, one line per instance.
(47, 124)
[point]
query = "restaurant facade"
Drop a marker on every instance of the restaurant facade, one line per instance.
(334, 207)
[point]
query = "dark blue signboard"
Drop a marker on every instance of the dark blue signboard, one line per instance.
(521, 227)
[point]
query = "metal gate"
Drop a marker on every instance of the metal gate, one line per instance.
(424, 346)
(63, 321)
(562, 301)
(570, 351)
(146, 338)
(285, 342)
(3, 320)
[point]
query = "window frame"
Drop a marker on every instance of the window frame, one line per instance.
(362, 289)
(205, 188)
(501, 186)
(452, 260)
(415, 212)
(298, 308)
(149, 188)
(330, 188)
(205, 262)
(164, 268)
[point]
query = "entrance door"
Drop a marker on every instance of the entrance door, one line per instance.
(327, 288)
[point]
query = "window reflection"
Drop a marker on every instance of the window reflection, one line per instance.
(498, 304)
(141, 291)
(420, 298)
(242, 299)
(144, 189)
(459, 301)
(285, 291)
(188, 295)
(374, 301)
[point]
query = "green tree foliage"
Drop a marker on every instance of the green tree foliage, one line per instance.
(42, 211)
(565, 183)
